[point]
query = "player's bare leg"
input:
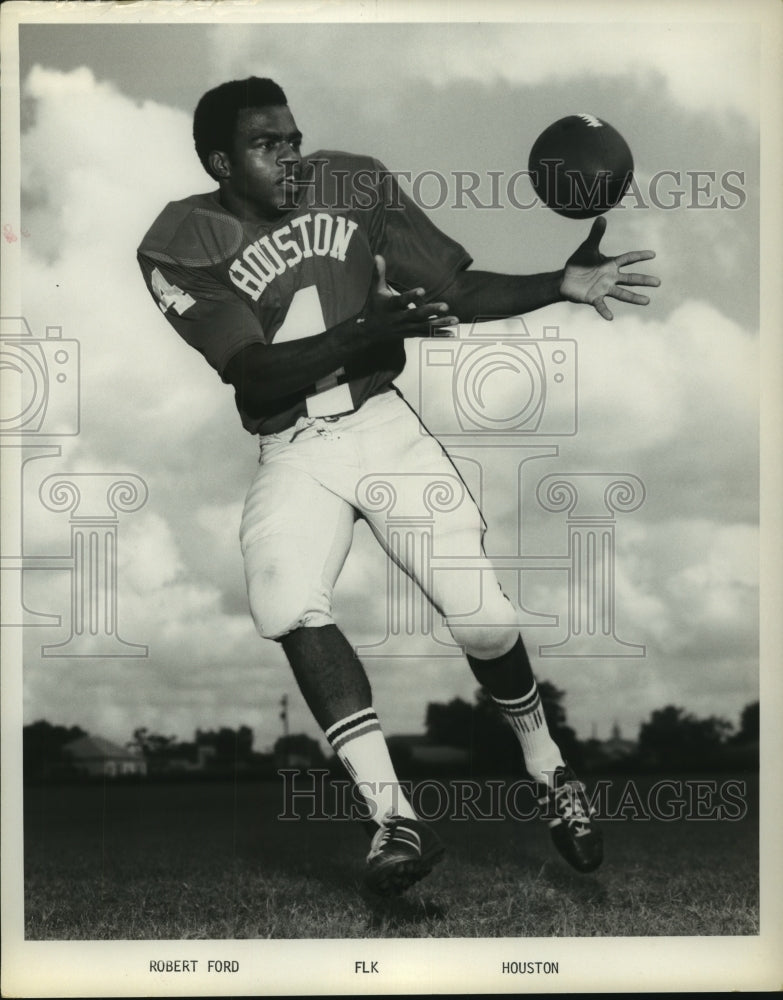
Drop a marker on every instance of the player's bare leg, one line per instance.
(330, 676)
(510, 681)
(561, 797)
(483, 621)
(337, 690)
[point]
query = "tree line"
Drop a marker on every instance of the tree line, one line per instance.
(670, 740)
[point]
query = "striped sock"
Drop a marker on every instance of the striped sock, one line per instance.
(525, 715)
(358, 742)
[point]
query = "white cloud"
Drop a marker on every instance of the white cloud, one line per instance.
(100, 196)
(672, 401)
(692, 59)
(710, 67)
(715, 594)
(148, 555)
(221, 522)
(93, 201)
(682, 382)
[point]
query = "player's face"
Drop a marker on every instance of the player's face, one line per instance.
(265, 161)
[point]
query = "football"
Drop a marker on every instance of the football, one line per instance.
(580, 166)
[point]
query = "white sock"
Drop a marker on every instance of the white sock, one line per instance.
(358, 742)
(525, 715)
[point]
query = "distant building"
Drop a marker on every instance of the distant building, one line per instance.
(95, 756)
(616, 747)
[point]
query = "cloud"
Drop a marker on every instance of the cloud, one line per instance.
(683, 58)
(91, 203)
(148, 406)
(714, 594)
(668, 395)
(89, 193)
(673, 401)
(690, 61)
(685, 96)
(677, 384)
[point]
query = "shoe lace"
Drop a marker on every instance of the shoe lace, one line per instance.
(383, 834)
(571, 806)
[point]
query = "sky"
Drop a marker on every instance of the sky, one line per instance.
(667, 396)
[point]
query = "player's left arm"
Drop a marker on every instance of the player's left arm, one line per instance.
(588, 277)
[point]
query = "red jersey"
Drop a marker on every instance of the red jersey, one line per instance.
(224, 283)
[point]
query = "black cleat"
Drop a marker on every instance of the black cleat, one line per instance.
(564, 807)
(402, 852)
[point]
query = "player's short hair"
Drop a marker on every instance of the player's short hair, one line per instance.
(216, 113)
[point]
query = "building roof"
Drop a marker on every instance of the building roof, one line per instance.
(97, 748)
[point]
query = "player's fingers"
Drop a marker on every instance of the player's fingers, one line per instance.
(603, 309)
(426, 310)
(596, 232)
(381, 288)
(409, 299)
(632, 278)
(444, 332)
(435, 324)
(433, 327)
(445, 326)
(625, 296)
(633, 256)
(434, 308)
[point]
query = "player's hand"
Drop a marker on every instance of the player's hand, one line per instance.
(592, 278)
(407, 315)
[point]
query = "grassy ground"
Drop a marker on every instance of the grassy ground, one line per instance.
(210, 861)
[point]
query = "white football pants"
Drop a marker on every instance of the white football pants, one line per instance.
(297, 524)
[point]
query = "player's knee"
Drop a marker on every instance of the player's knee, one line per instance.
(489, 632)
(279, 610)
(275, 623)
(486, 642)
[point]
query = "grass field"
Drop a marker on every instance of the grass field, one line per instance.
(198, 861)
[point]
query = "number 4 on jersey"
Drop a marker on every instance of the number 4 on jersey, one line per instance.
(170, 295)
(305, 318)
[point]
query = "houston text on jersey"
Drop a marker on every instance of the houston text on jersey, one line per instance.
(271, 255)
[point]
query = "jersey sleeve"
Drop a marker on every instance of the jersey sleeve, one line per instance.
(415, 250)
(203, 311)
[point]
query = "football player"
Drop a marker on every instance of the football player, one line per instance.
(299, 279)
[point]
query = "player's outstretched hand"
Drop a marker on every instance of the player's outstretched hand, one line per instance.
(592, 278)
(407, 315)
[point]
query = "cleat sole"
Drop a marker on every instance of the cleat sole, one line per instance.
(395, 877)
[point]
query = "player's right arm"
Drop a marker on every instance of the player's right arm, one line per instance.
(213, 320)
(264, 373)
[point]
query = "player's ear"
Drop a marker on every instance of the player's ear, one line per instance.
(220, 164)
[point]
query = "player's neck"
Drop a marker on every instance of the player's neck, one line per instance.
(247, 211)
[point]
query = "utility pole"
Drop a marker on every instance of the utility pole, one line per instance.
(284, 713)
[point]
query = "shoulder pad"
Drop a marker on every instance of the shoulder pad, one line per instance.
(193, 232)
(341, 179)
